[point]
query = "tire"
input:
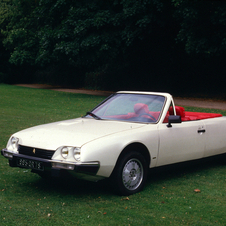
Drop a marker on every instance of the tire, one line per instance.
(130, 173)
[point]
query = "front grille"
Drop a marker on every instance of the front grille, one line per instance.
(35, 152)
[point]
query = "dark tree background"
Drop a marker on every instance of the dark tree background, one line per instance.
(176, 46)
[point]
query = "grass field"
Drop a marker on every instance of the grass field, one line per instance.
(167, 199)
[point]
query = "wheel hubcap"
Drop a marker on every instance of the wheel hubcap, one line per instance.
(132, 174)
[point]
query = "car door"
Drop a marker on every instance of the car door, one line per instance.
(215, 136)
(181, 142)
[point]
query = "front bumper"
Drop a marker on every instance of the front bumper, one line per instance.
(40, 164)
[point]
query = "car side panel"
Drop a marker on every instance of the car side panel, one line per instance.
(215, 136)
(181, 142)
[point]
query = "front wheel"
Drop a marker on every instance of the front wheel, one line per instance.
(130, 173)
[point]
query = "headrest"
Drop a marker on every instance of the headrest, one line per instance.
(141, 108)
(179, 111)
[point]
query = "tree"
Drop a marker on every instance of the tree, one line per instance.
(203, 26)
(90, 33)
(89, 36)
(124, 43)
(20, 37)
(5, 14)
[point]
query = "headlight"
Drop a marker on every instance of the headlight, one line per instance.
(77, 154)
(68, 153)
(64, 152)
(13, 144)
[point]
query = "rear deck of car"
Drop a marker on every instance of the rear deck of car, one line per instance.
(191, 116)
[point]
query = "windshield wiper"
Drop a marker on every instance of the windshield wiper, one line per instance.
(93, 115)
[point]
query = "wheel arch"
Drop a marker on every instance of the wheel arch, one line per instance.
(138, 147)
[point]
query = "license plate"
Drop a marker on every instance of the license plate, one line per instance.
(30, 164)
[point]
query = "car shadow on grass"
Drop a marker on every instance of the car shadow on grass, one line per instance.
(189, 168)
(81, 188)
(72, 186)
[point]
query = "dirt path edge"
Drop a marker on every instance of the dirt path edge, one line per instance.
(194, 102)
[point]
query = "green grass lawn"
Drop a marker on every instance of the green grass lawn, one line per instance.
(167, 199)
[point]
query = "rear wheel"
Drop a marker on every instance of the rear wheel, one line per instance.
(130, 173)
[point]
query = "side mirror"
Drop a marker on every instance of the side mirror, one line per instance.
(173, 119)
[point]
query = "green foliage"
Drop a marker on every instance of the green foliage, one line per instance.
(85, 36)
(91, 33)
(202, 26)
(119, 39)
(5, 13)
(82, 33)
(19, 33)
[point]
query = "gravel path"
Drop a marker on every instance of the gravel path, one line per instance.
(202, 103)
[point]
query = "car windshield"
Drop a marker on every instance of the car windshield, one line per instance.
(130, 107)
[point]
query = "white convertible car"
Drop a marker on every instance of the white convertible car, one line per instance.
(121, 138)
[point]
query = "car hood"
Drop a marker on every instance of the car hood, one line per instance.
(74, 132)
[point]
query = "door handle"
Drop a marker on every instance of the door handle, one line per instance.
(201, 131)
